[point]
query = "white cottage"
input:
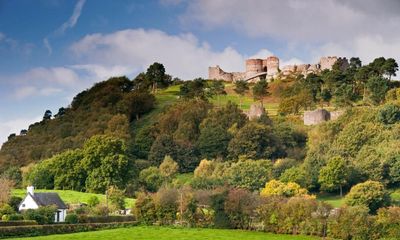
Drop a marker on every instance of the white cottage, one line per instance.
(34, 200)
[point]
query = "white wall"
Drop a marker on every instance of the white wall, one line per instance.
(28, 203)
(63, 214)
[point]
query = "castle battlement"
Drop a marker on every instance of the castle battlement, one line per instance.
(268, 68)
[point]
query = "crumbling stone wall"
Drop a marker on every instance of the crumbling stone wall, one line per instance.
(320, 115)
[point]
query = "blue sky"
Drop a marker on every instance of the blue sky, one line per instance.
(52, 49)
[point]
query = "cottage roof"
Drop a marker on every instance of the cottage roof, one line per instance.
(48, 199)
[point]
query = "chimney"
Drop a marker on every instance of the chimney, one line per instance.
(30, 189)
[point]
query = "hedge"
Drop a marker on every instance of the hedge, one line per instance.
(41, 230)
(17, 223)
(105, 219)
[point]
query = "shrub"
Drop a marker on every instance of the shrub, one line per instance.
(144, 209)
(105, 219)
(40, 230)
(279, 188)
(168, 167)
(240, 205)
(17, 223)
(14, 202)
(388, 221)
(93, 201)
(250, 174)
(42, 215)
(6, 210)
(71, 218)
(151, 178)
(370, 194)
(389, 114)
(116, 197)
(221, 219)
(351, 223)
(100, 210)
(15, 217)
(165, 201)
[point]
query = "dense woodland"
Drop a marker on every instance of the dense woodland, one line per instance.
(97, 143)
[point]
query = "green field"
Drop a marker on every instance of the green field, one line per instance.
(165, 233)
(334, 200)
(69, 196)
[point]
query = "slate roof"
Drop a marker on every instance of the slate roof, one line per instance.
(47, 199)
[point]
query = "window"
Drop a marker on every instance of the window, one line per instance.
(23, 205)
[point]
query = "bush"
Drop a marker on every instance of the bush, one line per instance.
(144, 209)
(71, 218)
(166, 204)
(42, 215)
(370, 194)
(250, 174)
(15, 217)
(279, 188)
(93, 201)
(151, 178)
(105, 219)
(351, 223)
(389, 114)
(388, 221)
(14, 202)
(6, 210)
(41, 230)
(17, 223)
(240, 205)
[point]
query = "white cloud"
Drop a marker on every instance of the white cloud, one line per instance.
(42, 81)
(183, 55)
(47, 45)
(313, 28)
(263, 53)
(71, 22)
(15, 126)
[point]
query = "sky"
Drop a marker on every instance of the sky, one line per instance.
(50, 50)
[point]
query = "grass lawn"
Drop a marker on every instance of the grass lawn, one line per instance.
(334, 200)
(165, 233)
(69, 196)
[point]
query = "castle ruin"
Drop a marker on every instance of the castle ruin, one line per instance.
(257, 69)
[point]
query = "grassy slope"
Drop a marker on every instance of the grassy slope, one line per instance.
(69, 196)
(164, 233)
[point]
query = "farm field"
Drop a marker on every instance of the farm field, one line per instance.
(69, 196)
(165, 233)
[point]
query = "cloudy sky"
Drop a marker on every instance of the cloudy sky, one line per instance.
(52, 49)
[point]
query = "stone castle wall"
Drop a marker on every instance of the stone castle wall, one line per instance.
(268, 68)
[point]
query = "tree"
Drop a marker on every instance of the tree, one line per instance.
(116, 197)
(168, 168)
(194, 89)
(47, 115)
(118, 127)
(371, 194)
(260, 91)
(249, 174)
(106, 163)
(217, 88)
(334, 175)
(377, 88)
(156, 75)
(5, 185)
(255, 141)
(151, 178)
(213, 142)
(390, 67)
(278, 188)
(240, 207)
(241, 87)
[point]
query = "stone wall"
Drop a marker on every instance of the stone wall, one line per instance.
(270, 66)
(320, 115)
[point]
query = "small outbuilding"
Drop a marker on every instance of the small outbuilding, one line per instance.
(34, 200)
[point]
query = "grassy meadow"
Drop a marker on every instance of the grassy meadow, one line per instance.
(166, 233)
